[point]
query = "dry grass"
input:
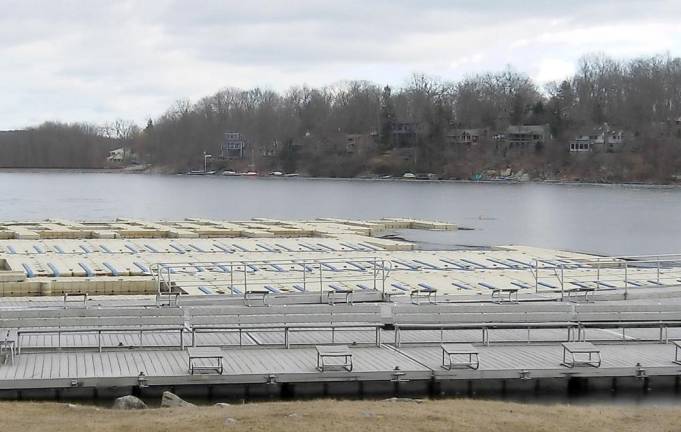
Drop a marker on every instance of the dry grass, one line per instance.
(346, 416)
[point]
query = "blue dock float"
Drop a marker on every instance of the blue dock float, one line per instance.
(399, 286)
(363, 287)
(426, 264)
(88, 270)
(306, 267)
(224, 268)
(406, 264)
(85, 248)
(502, 263)
(370, 247)
(473, 263)
(426, 287)
(142, 267)
(521, 285)
(271, 289)
(454, 263)
(265, 248)
(462, 286)
(329, 267)
(328, 248)
(105, 249)
(352, 247)
(299, 287)
(223, 248)
(196, 248)
(55, 271)
(177, 248)
(58, 249)
(38, 249)
(278, 268)
(357, 266)
(239, 248)
(150, 248)
(281, 246)
(28, 270)
(522, 263)
(488, 286)
(11, 249)
(205, 290)
(308, 247)
(111, 268)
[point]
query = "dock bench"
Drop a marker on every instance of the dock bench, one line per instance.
(80, 299)
(677, 345)
(453, 350)
(205, 353)
(582, 348)
(8, 343)
(505, 295)
(258, 296)
(580, 291)
(423, 293)
(325, 352)
(344, 293)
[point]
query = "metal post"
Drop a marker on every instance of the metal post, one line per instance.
(536, 276)
(598, 273)
(304, 278)
(375, 273)
(626, 281)
(562, 284)
(383, 277)
(321, 284)
(245, 280)
(658, 270)
(231, 276)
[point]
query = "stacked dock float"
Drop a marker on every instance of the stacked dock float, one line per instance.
(328, 306)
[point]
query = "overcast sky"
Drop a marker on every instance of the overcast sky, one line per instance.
(94, 61)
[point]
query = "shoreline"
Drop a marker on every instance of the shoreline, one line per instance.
(342, 415)
(148, 171)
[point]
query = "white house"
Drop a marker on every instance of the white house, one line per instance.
(117, 155)
(601, 139)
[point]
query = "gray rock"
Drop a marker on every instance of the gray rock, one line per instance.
(171, 400)
(128, 403)
(222, 404)
(396, 399)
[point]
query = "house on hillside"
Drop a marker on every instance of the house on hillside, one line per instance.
(403, 134)
(466, 138)
(601, 139)
(116, 155)
(526, 137)
(233, 146)
(521, 138)
(359, 143)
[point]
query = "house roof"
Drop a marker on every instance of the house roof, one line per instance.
(523, 129)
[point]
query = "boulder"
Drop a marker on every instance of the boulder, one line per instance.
(128, 403)
(171, 400)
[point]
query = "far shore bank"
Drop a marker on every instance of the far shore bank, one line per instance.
(156, 171)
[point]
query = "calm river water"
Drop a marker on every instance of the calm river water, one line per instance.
(601, 219)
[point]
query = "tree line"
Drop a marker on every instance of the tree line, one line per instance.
(348, 129)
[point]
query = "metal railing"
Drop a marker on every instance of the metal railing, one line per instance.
(607, 273)
(241, 277)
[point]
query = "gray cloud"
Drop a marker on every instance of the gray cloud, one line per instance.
(99, 60)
